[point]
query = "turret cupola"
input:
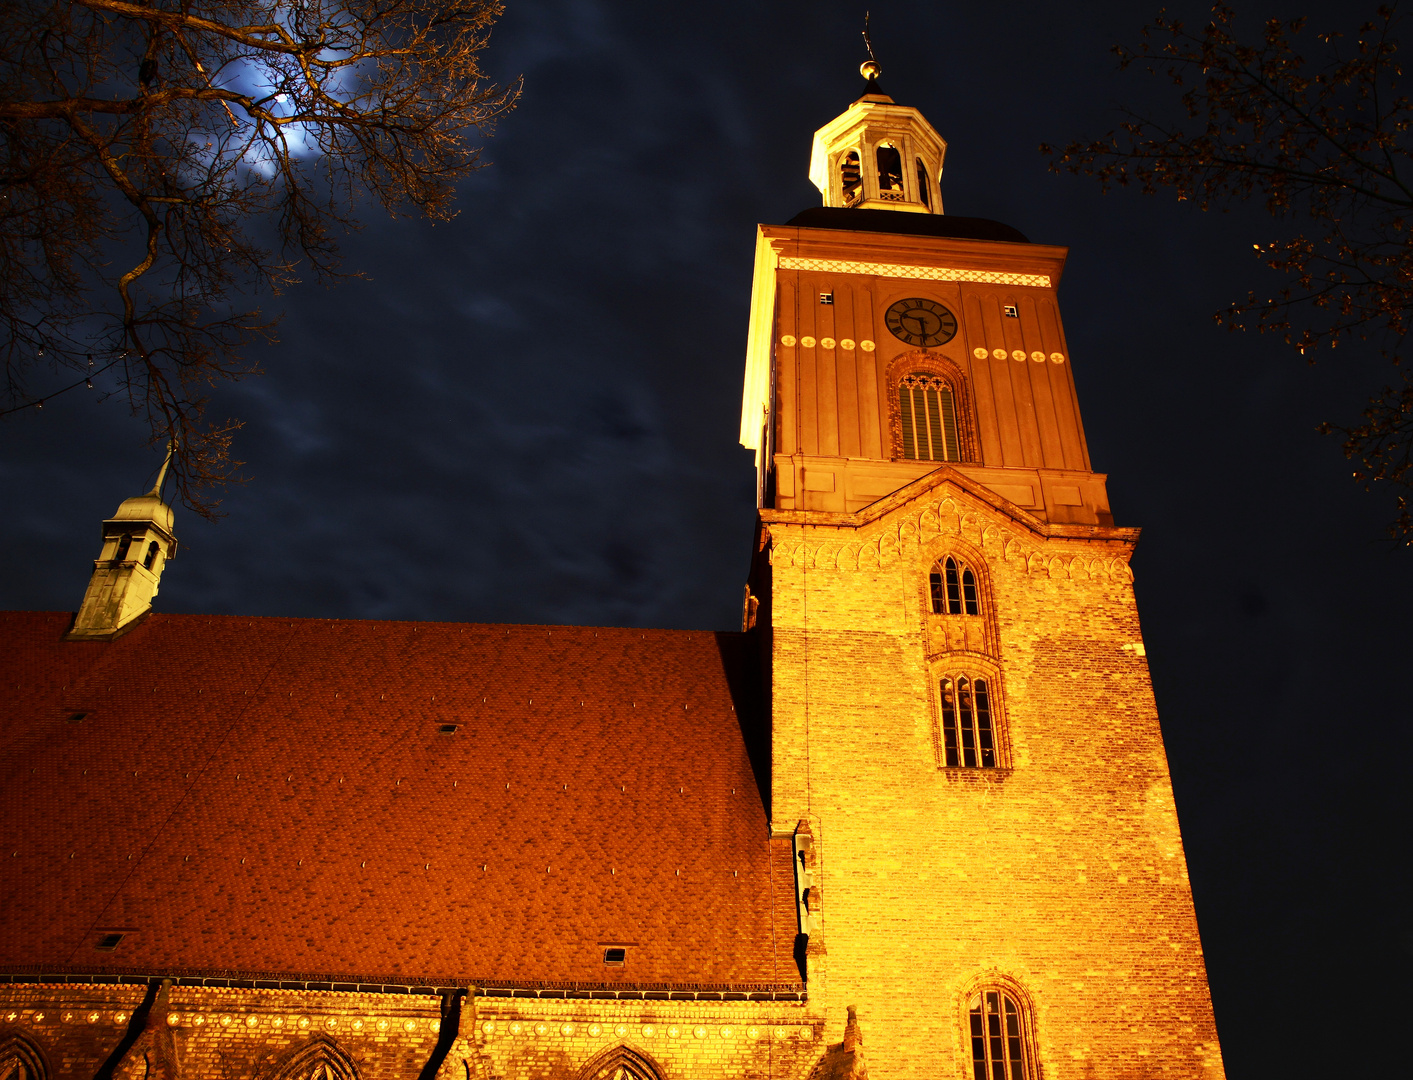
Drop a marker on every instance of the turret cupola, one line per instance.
(137, 542)
(879, 155)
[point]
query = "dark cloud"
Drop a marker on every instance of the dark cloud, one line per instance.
(530, 415)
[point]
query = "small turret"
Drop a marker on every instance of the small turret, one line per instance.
(879, 155)
(137, 542)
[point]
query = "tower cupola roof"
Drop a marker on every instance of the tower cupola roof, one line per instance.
(878, 154)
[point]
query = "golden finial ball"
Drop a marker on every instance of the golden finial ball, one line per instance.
(870, 69)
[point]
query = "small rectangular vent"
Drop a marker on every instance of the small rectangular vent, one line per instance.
(615, 957)
(108, 942)
(448, 729)
(76, 718)
(1012, 312)
(826, 298)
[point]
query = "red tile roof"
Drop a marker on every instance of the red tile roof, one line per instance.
(272, 798)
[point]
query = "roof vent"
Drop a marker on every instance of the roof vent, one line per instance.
(447, 729)
(76, 718)
(108, 942)
(615, 957)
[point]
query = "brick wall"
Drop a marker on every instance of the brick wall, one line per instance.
(218, 1033)
(1061, 876)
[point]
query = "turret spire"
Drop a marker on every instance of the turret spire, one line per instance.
(137, 542)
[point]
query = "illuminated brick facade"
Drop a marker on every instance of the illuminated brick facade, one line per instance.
(926, 780)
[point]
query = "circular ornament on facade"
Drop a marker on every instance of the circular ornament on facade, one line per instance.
(1038, 357)
(998, 354)
(979, 352)
(621, 1030)
(331, 1023)
(788, 340)
(277, 1021)
(699, 1032)
(806, 1034)
(827, 342)
(173, 1019)
(753, 1033)
(1057, 358)
(1017, 354)
(919, 321)
(38, 1018)
(867, 346)
(251, 1021)
(198, 1020)
(489, 1027)
(94, 1017)
(516, 1028)
(541, 1029)
(807, 342)
(846, 343)
(726, 1033)
(673, 1031)
(566, 1029)
(358, 1024)
(303, 1023)
(595, 1030)
(434, 1026)
(411, 1025)
(118, 1017)
(226, 1021)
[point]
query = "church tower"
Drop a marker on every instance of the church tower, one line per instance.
(137, 542)
(965, 745)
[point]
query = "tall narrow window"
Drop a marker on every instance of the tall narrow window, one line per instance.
(890, 168)
(929, 416)
(997, 1039)
(923, 191)
(152, 550)
(953, 588)
(123, 545)
(968, 740)
(850, 177)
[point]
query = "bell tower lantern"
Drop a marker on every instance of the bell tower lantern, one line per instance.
(879, 155)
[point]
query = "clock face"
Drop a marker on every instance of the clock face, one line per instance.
(921, 322)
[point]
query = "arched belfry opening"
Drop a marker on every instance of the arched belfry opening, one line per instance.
(621, 1063)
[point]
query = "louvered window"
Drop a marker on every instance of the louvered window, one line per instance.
(929, 416)
(953, 588)
(997, 1038)
(968, 738)
(924, 192)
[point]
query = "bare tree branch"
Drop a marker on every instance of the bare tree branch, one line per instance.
(143, 144)
(1326, 141)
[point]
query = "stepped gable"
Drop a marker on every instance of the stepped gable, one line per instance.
(276, 795)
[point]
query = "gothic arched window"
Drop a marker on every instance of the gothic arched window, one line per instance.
(968, 728)
(953, 588)
(998, 1037)
(890, 168)
(620, 1063)
(320, 1060)
(928, 409)
(20, 1060)
(850, 177)
(924, 191)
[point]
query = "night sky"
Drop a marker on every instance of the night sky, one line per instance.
(530, 415)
